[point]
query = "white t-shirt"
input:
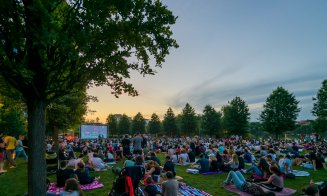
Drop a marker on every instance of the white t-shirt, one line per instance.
(184, 157)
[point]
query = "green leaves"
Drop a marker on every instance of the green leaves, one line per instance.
(320, 108)
(211, 121)
(280, 112)
(154, 125)
(236, 116)
(138, 123)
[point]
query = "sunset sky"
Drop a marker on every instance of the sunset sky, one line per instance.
(232, 48)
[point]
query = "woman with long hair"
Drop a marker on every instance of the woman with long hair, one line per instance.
(233, 163)
(260, 170)
(275, 182)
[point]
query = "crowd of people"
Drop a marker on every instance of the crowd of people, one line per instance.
(269, 161)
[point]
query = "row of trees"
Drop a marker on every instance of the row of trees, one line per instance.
(278, 116)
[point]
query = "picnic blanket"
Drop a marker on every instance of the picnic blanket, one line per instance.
(162, 179)
(188, 191)
(96, 184)
(284, 192)
(299, 173)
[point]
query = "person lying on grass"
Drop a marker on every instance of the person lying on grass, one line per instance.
(241, 184)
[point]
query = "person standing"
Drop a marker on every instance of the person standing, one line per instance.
(2, 155)
(11, 143)
(125, 143)
(137, 144)
(20, 149)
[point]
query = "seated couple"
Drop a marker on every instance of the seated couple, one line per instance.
(82, 174)
(274, 183)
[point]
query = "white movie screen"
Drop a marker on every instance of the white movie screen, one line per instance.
(93, 131)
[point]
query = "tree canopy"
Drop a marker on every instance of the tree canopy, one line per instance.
(279, 112)
(169, 123)
(49, 49)
(138, 123)
(112, 124)
(211, 121)
(124, 124)
(320, 108)
(154, 125)
(189, 124)
(236, 116)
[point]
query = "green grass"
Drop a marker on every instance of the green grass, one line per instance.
(14, 182)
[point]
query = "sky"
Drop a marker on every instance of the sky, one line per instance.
(230, 48)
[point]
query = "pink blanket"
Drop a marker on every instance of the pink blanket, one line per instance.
(94, 185)
(284, 192)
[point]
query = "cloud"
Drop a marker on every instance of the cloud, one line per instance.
(304, 85)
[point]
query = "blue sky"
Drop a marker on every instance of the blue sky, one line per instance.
(232, 48)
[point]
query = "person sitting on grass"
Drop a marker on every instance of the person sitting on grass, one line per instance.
(83, 174)
(233, 163)
(155, 158)
(213, 164)
(261, 170)
(154, 170)
(191, 155)
(72, 188)
(169, 166)
(170, 187)
(275, 182)
(97, 163)
(241, 184)
(184, 158)
(63, 174)
(80, 159)
(202, 164)
(129, 162)
(150, 189)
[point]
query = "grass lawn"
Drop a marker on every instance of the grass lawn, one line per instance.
(14, 182)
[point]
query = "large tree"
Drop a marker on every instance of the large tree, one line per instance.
(189, 123)
(138, 123)
(49, 48)
(154, 125)
(236, 116)
(320, 108)
(112, 124)
(279, 112)
(211, 121)
(169, 123)
(124, 124)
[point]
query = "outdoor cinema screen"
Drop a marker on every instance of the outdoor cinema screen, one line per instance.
(92, 131)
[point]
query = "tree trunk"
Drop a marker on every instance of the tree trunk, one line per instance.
(36, 159)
